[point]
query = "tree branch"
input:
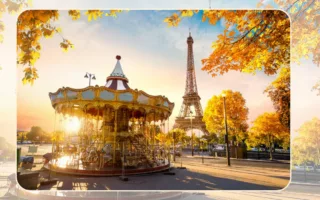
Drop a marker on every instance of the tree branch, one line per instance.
(300, 12)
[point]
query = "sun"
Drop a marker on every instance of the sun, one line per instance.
(73, 124)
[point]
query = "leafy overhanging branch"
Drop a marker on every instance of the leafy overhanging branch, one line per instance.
(33, 25)
(252, 40)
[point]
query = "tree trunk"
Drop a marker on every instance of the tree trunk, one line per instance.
(270, 149)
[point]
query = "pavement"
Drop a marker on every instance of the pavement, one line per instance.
(302, 190)
(309, 177)
(213, 174)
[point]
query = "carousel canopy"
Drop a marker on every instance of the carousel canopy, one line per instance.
(77, 102)
(117, 80)
(115, 94)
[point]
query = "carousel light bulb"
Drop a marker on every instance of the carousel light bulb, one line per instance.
(73, 125)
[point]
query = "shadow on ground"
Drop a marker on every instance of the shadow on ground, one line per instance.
(182, 180)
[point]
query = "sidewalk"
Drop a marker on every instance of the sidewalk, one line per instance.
(238, 159)
(306, 183)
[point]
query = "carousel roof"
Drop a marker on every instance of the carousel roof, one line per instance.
(116, 93)
(117, 80)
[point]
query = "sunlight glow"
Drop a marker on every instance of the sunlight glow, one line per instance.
(63, 161)
(73, 124)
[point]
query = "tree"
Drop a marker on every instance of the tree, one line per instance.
(21, 136)
(178, 135)
(279, 92)
(305, 42)
(308, 142)
(35, 133)
(33, 25)
(305, 32)
(237, 114)
(211, 137)
(203, 143)
(267, 129)
(253, 40)
(300, 152)
(11, 7)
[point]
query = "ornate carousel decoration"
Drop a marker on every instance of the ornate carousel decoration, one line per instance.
(101, 129)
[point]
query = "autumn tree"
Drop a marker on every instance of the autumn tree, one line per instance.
(308, 143)
(11, 7)
(267, 129)
(236, 111)
(178, 135)
(305, 42)
(253, 40)
(211, 137)
(305, 36)
(301, 154)
(33, 25)
(279, 92)
(21, 136)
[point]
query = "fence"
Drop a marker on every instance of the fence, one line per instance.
(254, 155)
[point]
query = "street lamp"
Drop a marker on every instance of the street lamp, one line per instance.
(88, 75)
(226, 127)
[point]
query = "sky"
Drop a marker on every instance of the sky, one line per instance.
(154, 58)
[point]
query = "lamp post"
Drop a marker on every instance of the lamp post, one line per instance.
(226, 127)
(88, 75)
(202, 151)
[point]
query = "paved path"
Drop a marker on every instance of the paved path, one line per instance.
(211, 175)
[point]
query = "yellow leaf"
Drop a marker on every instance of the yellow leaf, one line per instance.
(186, 13)
(231, 33)
(30, 3)
(58, 30)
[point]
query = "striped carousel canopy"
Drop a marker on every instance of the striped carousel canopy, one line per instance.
(117, 80)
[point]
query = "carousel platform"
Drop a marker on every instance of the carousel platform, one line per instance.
(106, 171)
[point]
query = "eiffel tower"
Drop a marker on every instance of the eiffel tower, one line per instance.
(190, 98)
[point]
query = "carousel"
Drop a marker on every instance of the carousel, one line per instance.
(109, 130)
